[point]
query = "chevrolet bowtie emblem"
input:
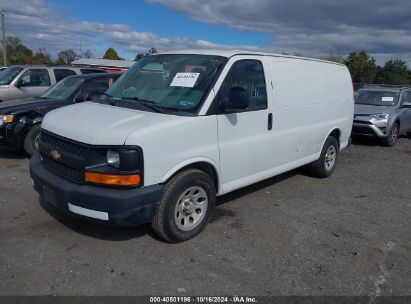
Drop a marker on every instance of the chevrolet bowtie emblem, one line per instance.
(55, 154)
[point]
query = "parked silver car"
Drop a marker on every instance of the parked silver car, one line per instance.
(23, 81)
(383, 112)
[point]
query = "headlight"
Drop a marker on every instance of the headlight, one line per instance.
(381, 116)
(113, 158)
(6, 119)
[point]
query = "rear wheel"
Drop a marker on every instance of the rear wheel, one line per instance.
(325, 165)
(185, 207)
(31, 141)
(392, 136)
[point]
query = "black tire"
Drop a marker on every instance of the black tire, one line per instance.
(321, 168)
(392, 136)
(31, 139)
(164, 223)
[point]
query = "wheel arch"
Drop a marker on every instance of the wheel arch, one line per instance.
(334, 132)
(204, 164)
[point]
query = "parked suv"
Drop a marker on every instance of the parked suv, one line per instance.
(23, 81)
(383, 112)
(20, 120)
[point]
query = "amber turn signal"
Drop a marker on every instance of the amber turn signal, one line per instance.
(8, 118)
(115, 180)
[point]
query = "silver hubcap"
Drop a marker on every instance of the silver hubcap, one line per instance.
(330, 157)
(191, 208)
(394, 134)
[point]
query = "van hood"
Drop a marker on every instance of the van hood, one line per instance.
(364, 109)
(101, 124)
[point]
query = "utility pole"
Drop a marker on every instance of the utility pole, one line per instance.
(4, 38)
(81, 50)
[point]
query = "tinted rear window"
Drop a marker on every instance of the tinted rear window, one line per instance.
(377, 98)
(63, 73)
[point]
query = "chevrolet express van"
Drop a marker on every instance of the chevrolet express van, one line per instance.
(179, 129)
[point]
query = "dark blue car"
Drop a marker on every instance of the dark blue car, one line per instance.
(20, 119)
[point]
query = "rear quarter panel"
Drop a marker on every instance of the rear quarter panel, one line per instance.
(311, 98)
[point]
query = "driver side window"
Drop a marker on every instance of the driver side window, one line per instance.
(36, 78)
(248, 75)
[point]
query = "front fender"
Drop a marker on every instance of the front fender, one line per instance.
(16, 132)
(190, 162)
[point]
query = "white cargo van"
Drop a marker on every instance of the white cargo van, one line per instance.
(179, 129)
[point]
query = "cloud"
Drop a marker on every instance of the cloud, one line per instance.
(39, 24)
(313, 27)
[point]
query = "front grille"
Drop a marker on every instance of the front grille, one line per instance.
(362, 130)
(71, 174)
(64, 146)
(364, 122)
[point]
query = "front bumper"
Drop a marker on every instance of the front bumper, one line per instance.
(368, 130)
(114, 206)
(12, 135)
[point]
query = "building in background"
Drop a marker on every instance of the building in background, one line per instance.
(110, 66)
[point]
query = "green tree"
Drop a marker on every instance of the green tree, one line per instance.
(139, 56)
(333, 57)
(395, 71)
(111, 54)
(41, 56)
(362, 67)
(17, 53)
(66, 56)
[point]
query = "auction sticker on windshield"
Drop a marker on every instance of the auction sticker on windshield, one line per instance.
(187, 80)
(388, 99)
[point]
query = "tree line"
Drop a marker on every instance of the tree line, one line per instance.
(363, 69)
(362, 66)
(18, 53)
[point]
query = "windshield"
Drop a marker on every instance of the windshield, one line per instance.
(167, 83)
(377, 98)
(64, 88)
(7, 75)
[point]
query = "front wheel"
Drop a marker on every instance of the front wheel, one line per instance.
(185, 207)
(31, 141)
(325, 165)
(392, 136)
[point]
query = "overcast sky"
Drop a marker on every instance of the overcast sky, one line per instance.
(314, 27)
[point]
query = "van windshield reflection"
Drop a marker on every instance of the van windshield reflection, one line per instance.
(167, 83)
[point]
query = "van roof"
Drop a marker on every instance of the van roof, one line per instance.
(231, 53)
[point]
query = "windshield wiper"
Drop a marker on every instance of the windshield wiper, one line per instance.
(111, 101)
(145, 103)
(108, 95)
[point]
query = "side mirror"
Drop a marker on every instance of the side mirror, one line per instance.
(406, 105)
(20, 83)
(237, 100)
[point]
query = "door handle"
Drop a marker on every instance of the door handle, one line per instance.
(270, 121)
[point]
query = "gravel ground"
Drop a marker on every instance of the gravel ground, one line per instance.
(349, 234)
